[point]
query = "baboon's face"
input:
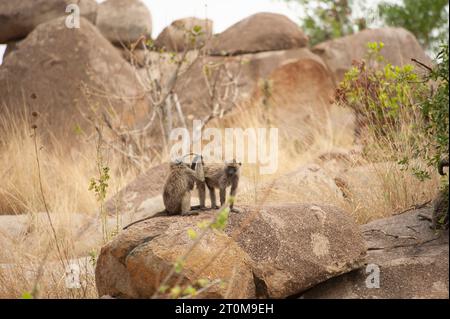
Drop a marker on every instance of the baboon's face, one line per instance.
(178, 166)
(232, 169)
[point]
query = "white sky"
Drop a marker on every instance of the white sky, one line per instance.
(224, 13)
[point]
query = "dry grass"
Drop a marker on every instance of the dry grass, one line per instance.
(372, 189)
(25, 233)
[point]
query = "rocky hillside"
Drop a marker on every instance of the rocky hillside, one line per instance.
(86, 122)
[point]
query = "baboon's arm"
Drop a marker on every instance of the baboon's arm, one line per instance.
(198, 174)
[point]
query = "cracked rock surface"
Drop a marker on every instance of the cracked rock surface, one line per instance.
(271, 251)
(410, 258)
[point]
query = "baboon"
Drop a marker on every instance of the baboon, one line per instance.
(177, 190)
(442, 163)
(439, 219)
(219, 176)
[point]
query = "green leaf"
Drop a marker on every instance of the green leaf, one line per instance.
(190, 291)
(163, 288)
(179, 266)
(26, 295)
(192, 233)
(175, 292)
(197, 29)
(203, 282)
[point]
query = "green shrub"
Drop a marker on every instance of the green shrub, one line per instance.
(379, 92)
(435, 111)
(394, 106)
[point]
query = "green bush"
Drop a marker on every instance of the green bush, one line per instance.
(379, 92)
(435, 111)
(386, 99)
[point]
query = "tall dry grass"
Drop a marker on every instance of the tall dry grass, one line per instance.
(28, 246)
(374, 186)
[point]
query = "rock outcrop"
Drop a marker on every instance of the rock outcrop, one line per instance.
(84, 72)
(183, 35)
(10, 47)
(296, 94)
(271, 251)
(400, 46)
(309, 183)
(124, 21)
(142, 195)
(410, 259)
(258, 33)
(24, 233)
(246, 70)
(19, 18)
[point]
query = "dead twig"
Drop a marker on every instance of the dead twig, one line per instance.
(390, 235)
(414, 207)
(422, 64)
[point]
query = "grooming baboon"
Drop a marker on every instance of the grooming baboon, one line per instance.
(219, 176)
(440, 204)
(177, 190)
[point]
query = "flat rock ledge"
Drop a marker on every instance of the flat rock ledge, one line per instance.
(265, 252)
(410, 260)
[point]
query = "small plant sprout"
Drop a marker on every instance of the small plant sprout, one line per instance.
(203, 224)
(26, 295)
(99, 185)
(175, 292)
(221, 220)
(179, 266)
(203, 282)
(192, 233)
(189, 291)
(163, 289)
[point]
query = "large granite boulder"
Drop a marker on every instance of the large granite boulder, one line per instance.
(124, 21)
(19, 18)
(67, 75)
(270, 251)
(307, 183)
(258, 33)
(183, 35)
(297, 94)
(409, 257)
(142, 195)
(246, 71)
(400, 46)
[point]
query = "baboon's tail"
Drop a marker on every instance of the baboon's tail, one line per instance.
(158, 214)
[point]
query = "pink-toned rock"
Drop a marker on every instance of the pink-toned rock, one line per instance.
(85, 73)
(258, 33)
(19, 18)
(409, 257)
(270, 251)
(400, 46)
(124, 21)
(181, 34)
